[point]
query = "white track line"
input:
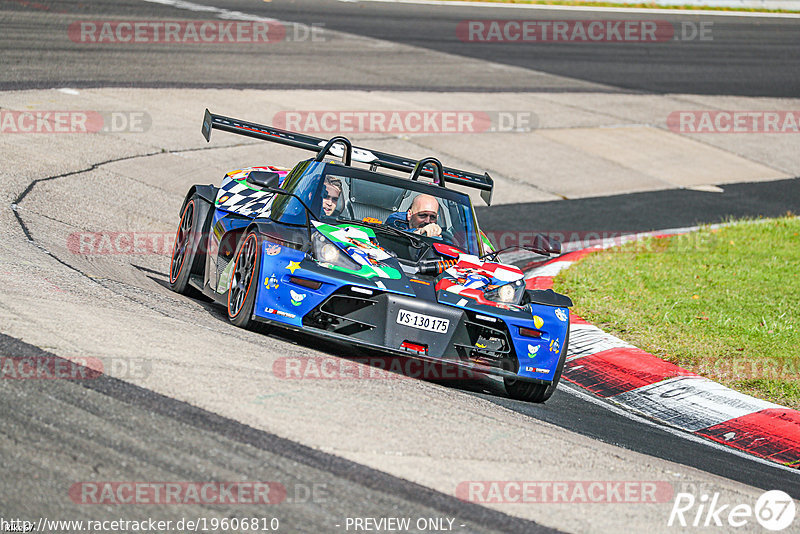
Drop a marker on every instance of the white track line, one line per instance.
(574, 390)
(627, 411)
(595, 9)
(222, 13)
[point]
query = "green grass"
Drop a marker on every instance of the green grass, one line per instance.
(648, 5)
(724, 303)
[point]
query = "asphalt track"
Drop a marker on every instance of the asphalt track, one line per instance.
(745, 56)
(320, 488)
(756, 59)
(644, 212)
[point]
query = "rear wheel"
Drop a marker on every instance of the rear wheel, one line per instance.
(187, 254)
(523, 390)
(242, 292)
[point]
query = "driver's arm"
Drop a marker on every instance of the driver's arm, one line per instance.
(430, 230)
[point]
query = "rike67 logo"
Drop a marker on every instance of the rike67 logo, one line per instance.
(774, 510)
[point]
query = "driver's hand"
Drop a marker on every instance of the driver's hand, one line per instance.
(430, 230)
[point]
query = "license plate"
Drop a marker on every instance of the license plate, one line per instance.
(423, 322)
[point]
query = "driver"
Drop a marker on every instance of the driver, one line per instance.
(421, 217)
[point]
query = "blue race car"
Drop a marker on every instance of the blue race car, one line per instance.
(381, 261)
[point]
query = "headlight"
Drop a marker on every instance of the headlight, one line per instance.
(507, 294)
(326, 252)
(329, 253)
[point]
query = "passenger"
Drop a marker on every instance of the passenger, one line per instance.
(331, 192)
(421, 218)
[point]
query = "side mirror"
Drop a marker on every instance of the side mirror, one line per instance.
(264, 179)
(541, 245)
(545, 246)
(548, 297)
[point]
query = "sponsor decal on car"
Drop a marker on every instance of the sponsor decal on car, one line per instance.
(555, 346)
(532, 350)
(536, 370)
(470, 277)
(280, 312)
(293, 266)
(561, 314)
(297, 298)
(273, 250)
(538, 322)
(361, 246)
(271, 282)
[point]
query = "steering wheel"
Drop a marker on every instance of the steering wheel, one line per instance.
(447, 236)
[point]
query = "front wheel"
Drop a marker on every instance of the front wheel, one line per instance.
(242, 292)
(520, 389)
(187, 252)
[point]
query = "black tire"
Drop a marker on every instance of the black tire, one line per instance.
(523, 390)
(188, 252)
(242, 291)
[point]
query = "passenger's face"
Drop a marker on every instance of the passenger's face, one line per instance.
(330, 196)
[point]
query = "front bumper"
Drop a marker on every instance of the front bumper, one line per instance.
(372, 320)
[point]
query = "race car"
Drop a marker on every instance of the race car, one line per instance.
(343, 251)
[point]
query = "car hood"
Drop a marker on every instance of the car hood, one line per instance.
(469, 277)
(359, 243)
(466, 276)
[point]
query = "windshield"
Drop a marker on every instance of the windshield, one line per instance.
(303, 181)
(337, 194)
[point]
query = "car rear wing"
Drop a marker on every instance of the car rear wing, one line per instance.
(375, 158)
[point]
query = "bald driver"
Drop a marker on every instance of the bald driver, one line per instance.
(421, 217)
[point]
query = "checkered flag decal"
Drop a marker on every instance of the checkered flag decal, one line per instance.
(238, 198)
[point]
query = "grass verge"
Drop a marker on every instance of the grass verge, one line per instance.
(640, 5)
(724, 302)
